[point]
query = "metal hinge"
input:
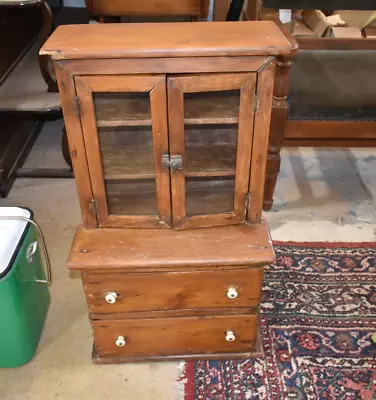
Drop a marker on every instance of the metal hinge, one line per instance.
(247, 200)
(174, 162)
(78, 107)
(255, 103)
(93, 206)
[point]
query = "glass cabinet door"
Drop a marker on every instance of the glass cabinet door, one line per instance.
(210, 130)
(124, 122)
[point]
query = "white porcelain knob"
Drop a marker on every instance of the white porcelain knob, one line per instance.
(111, 297)
(120, 342)
(230, 336)
(232, 293)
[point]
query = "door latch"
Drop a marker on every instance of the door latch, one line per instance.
(174, 162)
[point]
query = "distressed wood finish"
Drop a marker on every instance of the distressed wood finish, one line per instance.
(188, 109)
(166, 40)
(173, 291)
(135, 250)
(76, 145)
(175, 336)
(277, 128)
(156, 86)
(261, 141)
(166, 65)
(256, 352)
(179, 109)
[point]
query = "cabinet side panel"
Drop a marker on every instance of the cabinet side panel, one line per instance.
(265, 82)
(76, 144)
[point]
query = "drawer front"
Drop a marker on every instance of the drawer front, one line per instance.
(107, 293)
(175, 336)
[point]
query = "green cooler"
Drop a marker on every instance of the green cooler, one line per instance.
(24, 295)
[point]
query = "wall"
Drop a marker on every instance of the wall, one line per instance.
(74, 3)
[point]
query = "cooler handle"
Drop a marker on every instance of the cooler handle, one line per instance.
(32, 248)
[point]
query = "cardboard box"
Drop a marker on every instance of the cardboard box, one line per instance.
(272, 14)
(335, 20)
(345, 32)
(316, 21)
(302, 30)
(370, 32)
(358, 19)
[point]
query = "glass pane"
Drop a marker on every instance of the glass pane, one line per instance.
(210, 136)
(211, 107)
(127, 152)
(210, 120)
(210, 150)
(122, 109)
(126, 146)
(131, 197)
(209, 195)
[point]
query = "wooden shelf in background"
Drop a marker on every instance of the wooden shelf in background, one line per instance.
(198, 110)
(128, 162)
(213, 108)
(210, 161)
(121, 163)
(209, 196)
(110, 111)
(131, 198)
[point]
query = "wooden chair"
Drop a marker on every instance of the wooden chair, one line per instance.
(28, 90)
(112, 11)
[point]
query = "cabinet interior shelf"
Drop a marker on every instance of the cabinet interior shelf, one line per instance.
(203, 195)
(137, 163)
(203, 109)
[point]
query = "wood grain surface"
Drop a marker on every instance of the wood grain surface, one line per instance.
(143, 8)
(139, 249)
(172, 291)
(76, 145)
(166, 65)
(166, 40)
(168, 336)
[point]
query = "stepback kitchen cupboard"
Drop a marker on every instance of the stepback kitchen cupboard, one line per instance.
(168, 127)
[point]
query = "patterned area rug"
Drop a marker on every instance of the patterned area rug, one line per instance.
(318, 314)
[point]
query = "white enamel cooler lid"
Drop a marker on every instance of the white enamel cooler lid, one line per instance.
(11, 232)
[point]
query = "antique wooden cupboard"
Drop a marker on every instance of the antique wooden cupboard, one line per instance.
(168, 127)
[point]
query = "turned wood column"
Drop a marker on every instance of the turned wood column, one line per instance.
(277, 128)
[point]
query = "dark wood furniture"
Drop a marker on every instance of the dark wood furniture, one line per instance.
(46, 15)
(168, 127)
(325, 104)
(22, 24)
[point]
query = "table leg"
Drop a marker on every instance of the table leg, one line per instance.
(44, 34)
(277, 128)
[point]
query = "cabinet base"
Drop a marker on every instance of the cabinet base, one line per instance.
(255, 353)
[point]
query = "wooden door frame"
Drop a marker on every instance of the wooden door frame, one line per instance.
(177, 85)
(265, 84)
(156, 86)
(77, 149)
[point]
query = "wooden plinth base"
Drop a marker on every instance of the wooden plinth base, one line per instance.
(255, 353)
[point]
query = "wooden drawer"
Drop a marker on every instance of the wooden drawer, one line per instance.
(173, 290)
(175, 336)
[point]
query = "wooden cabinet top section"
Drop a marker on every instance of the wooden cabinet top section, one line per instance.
(142, 249)
(184, 39)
